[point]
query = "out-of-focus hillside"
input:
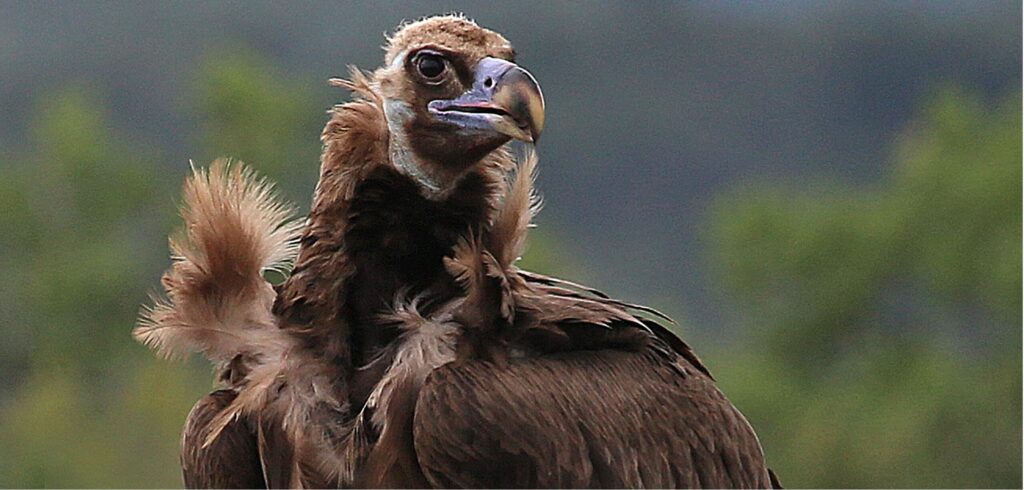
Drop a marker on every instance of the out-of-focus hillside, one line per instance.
(827, 195)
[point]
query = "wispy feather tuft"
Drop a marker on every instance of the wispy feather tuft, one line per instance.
(358, 82)
(507, 237)
(218, 302)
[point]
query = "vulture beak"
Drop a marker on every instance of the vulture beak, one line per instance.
(504, 99)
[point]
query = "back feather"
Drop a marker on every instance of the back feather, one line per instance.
(218, 302)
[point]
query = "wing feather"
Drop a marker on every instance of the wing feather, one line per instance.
(606, 418)
(231, 461)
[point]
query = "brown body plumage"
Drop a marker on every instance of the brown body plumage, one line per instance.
(406, 349)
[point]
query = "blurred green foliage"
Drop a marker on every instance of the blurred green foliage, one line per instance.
(883, 346)
(250, 111)
(81, 243)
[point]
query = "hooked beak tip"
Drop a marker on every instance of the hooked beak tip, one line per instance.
(519, 94)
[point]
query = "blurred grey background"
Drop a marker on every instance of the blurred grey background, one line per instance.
(714, 159)
(654, 107)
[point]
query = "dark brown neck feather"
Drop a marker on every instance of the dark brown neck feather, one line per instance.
(396, 240)
(372, 235)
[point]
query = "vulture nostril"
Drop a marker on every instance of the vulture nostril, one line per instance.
(489, 82)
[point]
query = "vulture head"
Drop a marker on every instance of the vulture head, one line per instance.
(452, 94)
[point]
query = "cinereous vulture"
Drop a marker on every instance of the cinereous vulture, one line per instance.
(406, 348)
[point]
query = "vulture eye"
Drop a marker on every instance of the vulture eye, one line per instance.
(430, 65)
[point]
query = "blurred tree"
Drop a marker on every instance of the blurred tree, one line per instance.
(251, 112)
(886, 351)
(83, 238)
(886, 337)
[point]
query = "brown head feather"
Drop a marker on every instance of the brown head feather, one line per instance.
(451, 32)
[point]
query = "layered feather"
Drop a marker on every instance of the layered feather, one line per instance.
(483, 263)
(217, 301)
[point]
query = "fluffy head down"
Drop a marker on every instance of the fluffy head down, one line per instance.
(217, 300)
(451, 32)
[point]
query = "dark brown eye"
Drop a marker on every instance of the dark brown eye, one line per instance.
(430, 65)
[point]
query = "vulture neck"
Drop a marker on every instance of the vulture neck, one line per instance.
(374, 236)
(401, 154)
